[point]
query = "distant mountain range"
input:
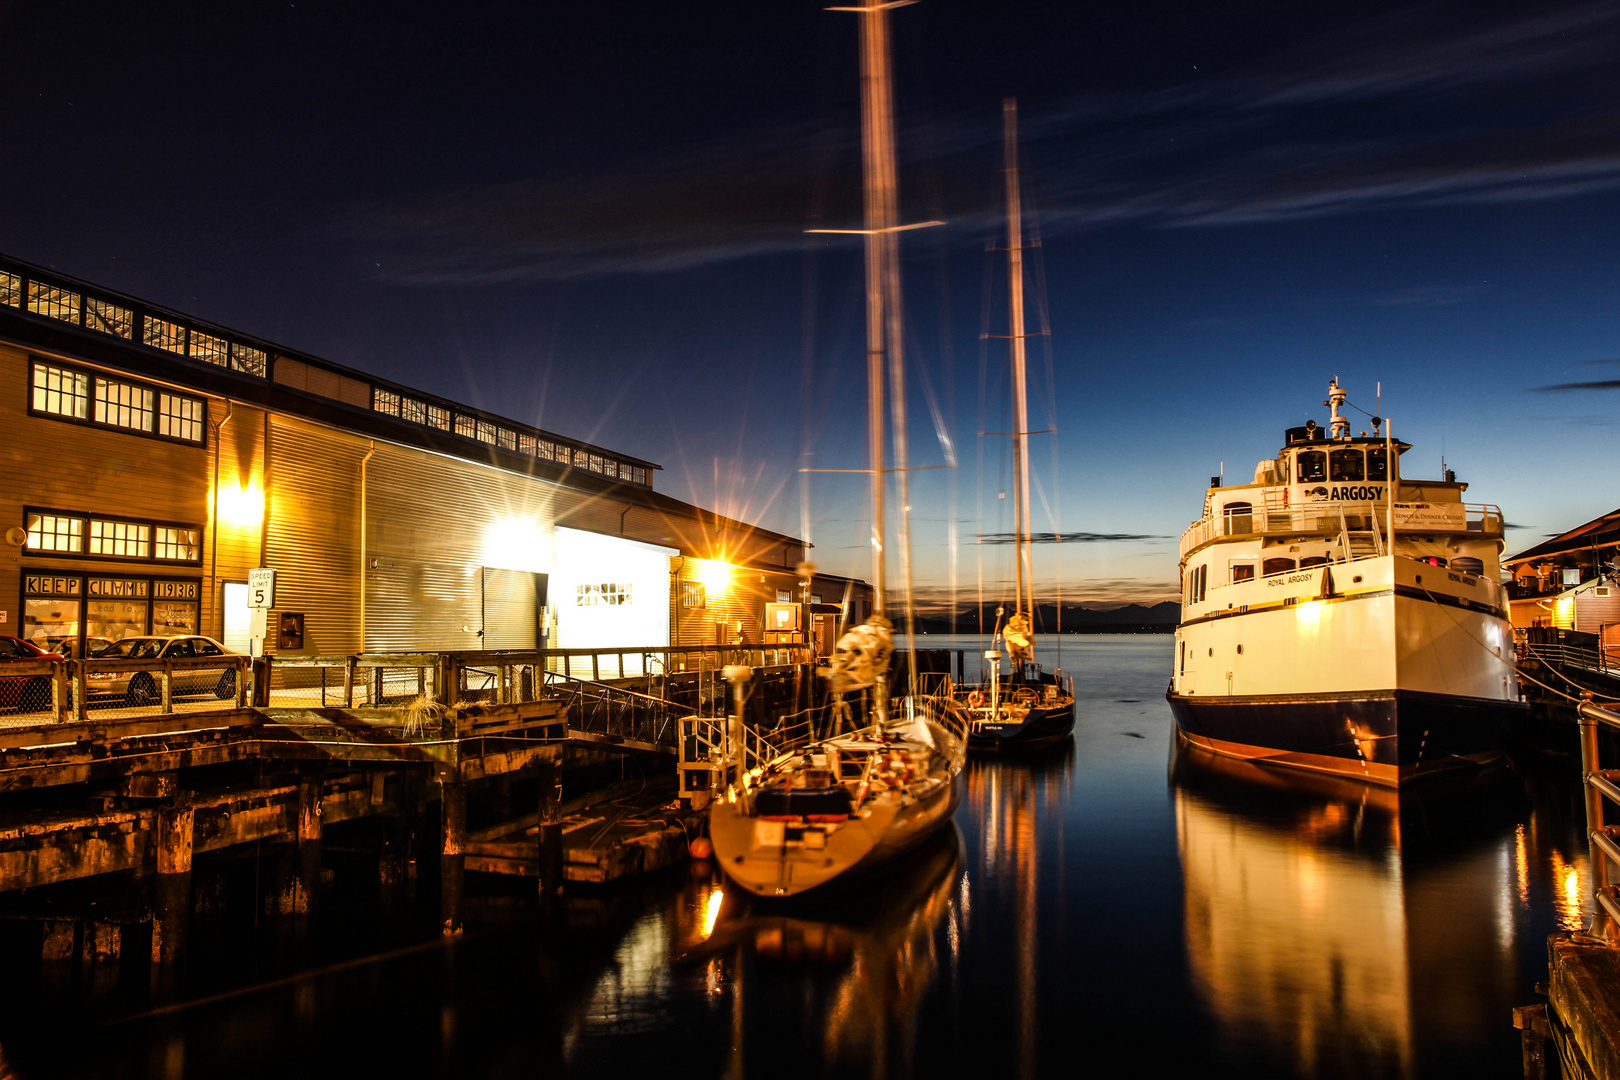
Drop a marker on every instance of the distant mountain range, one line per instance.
(1130, 619)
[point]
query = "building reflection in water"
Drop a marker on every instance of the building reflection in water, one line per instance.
(1335, 926)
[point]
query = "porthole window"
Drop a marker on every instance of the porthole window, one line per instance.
(1240, 650)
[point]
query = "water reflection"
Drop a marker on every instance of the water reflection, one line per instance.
(847, 969)
(1344, 929)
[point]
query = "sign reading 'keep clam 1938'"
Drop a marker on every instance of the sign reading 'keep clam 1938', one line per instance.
(46, 585)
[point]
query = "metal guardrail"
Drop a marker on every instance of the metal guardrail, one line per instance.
(65, 691)
(1559, 655)
(1603, 840)
(1481, 519)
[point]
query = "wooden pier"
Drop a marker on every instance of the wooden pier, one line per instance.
(430, 756)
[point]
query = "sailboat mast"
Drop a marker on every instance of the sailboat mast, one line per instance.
(1015, 285)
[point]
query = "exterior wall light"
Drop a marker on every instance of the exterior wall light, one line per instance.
(716, 576)
(241, 506)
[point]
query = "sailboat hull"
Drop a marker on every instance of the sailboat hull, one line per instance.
(1043, 726)
(761, 858)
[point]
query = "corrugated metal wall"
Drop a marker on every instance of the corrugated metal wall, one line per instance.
(313, 532)
(433, 524)
(233, 526)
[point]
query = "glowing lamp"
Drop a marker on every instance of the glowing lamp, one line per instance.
(240, 505)
(512, 543)
(716, 576)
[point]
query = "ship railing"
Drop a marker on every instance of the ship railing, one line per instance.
(1478, 519)
(1603, 840)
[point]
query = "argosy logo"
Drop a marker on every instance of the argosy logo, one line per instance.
(1348, 492)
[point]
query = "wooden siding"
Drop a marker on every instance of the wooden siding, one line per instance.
(92, 470)
(1593, 612)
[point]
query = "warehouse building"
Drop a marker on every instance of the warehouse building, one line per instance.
(153, 459)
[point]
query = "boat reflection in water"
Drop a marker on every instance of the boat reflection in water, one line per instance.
(1335, 926)
(1016, 805)
(853, 965)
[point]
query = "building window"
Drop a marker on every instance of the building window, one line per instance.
(162, 334)
(56, 532)
(545, 450)
(506, 438)
(253, 361)
(438, 417)
(526, 444)
(177, 545)
(52, 302)
(692, 594)
(384, 401)
(784, 596)
(10, 289)
(485, 432)
(639, 475)
(124, 405)
(120, 539)
(61, 392)
(466, 426)
(608, 594)
(412, 410)
(180, 417)
(209, 349)
(108, 318)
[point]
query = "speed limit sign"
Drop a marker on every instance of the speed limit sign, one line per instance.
(261, 589)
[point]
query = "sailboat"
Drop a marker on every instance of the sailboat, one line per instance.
(797, 813)
(1032, 706)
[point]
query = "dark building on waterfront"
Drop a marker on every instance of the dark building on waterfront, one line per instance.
(152, 459)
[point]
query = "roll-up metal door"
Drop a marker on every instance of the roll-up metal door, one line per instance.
(312, 536)
(512, 600)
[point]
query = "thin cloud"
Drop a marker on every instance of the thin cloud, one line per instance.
(1408, 112)
(1601, 384)
(1071, 538)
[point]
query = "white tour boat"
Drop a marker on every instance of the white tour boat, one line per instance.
(1341, 618)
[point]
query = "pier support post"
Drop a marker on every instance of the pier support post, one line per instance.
(1596, 859)
(550, 838)
(171, 890)
(58, 951)
(309, 842)
(452, 852)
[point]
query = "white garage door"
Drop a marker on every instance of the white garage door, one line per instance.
(610, 593)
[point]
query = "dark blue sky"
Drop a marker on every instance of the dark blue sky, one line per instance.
(592, 218)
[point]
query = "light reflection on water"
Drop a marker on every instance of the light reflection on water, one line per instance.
(1108, 908)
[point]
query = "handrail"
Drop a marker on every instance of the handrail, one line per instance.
(1484, 519)
(1603, 841)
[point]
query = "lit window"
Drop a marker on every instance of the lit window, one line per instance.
(248, 359)
(162, 334)
(180, 417)
(52, 302)
(10, 289)
(209, 349)
(413, 410)
(61, 392)
(176, 545)
(466, 426)
(544, 450)
(120, 539)
(506, 438)
(608, 594)
(108, 318)
(124, 405)
(384, 401)
(692, 594)
(485, 432)
(596, 463)
(639, 475)
(55, 532)
(526, 444)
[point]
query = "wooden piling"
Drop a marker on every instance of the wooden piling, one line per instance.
(452, 853)
(309, 842)
(550, 832)
(171, 889)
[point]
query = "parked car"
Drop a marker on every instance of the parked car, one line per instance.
(138, 688)
(30, 693)
(69, 647)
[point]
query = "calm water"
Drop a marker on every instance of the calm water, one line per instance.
(1105, 907)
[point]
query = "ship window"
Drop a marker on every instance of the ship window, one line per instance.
(1276, 566)
(1282, 469)
(1313, 560)
(1312, 466)
(1242, 572)
(1348, 464)
(1377, 464)
(1239, 518)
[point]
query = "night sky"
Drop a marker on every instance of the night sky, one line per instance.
(591, 217)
